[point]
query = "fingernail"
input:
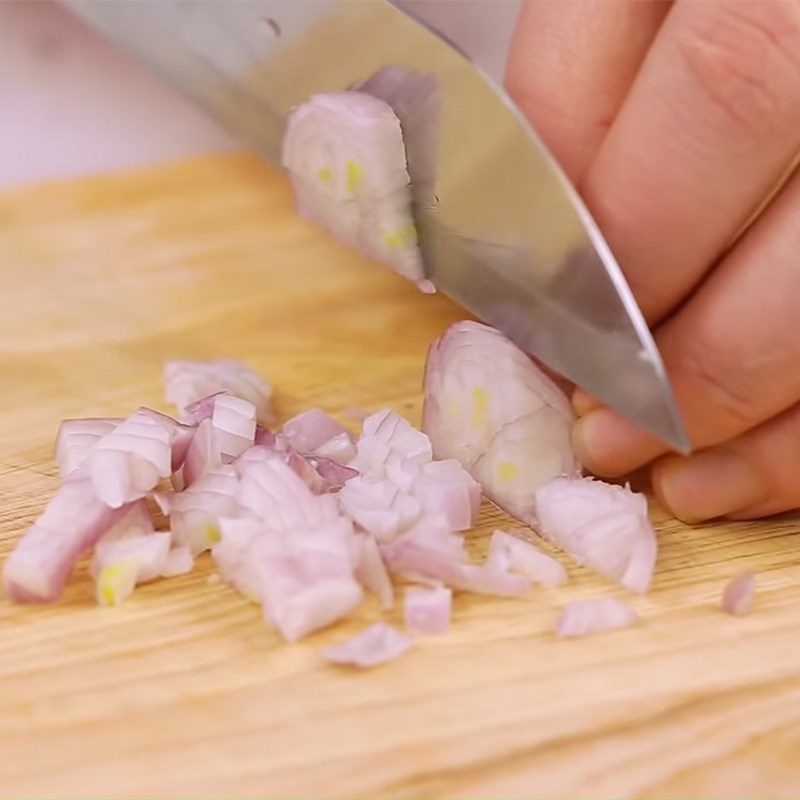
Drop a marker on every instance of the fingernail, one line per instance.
(707, 485)
(608, 445)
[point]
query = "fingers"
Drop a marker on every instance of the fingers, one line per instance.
(753, 476)
(708, 128)
(571, 65)
(732, 352)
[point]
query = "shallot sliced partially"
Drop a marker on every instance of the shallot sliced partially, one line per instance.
(739, 594)
(75, 439)
(602, 526)
(509, 552)
(427, 610)
(593, 616)
(188, 381)
(376, 645)
(491, 408)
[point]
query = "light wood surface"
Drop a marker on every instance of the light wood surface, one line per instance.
(183, 692)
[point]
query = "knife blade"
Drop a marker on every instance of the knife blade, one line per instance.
(507, 236)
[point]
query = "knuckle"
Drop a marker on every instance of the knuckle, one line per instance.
(720, 385)
(745, 57)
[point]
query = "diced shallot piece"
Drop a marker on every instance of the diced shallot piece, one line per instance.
(739, 594)
(118, 565)
(75, 439)
(375, 645)
(446, 488)
(314, 433)
(73, 521)
(491, 408)
(372, 574)
(345, 155)
(180, 561)
(427, 610)
(378, 506)
(128, 462)
(234, 422)
(194, 513)
(602, 526)
(593, 616)
(188, 381)
(387, 436)
(509, 552)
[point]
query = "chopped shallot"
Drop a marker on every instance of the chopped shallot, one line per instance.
(118, 565)
(127, 463)
(509, 552)
(179, 562)
(385, 437)
(194, 512)
(491, 408)
(375, 645)
(602, 526)
(371, 572)
(739, 594)
(345, 155)
(72, 523)
(188, 381)
(75, 439)
(378, 506)
(446, 488)
(427, 610)
(593, 616)
(314, 433)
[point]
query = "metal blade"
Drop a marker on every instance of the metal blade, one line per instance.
(506, 236)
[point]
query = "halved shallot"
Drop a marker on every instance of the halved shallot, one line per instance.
(602, 526)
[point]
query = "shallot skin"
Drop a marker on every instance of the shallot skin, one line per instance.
(739, 595)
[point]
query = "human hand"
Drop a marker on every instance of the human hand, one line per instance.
(676, 121)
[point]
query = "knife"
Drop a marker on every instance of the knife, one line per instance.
(507, 236)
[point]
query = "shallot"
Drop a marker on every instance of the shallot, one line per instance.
(739, 594)
(346, 159)
(593, 616)
(491, 408)
(427, 610)
(375, 645)
(509, 552)
(188, 381)
(75, 439)
(602, 526)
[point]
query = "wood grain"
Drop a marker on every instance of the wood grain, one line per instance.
(184, 692)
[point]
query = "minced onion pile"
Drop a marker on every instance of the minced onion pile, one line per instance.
(305, 520)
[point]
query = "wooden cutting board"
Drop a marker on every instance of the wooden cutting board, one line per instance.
(183, 691)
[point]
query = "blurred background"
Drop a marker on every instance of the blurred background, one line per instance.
(70, 104)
